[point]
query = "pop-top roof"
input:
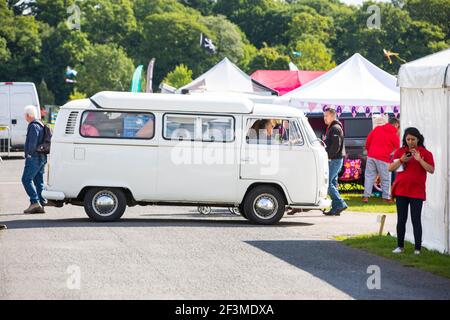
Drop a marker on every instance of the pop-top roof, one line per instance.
(171, 102)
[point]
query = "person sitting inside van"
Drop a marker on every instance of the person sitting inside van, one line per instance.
(282, 131)
(147, 130)
(265, 133)
(87, 128)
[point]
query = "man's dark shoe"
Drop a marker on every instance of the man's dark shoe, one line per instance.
(3, 227)
(331, 213)
(339, 211)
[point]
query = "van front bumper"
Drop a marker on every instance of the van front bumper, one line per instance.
(322, 204)
(53, 195)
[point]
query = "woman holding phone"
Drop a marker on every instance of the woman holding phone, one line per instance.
(412, 163)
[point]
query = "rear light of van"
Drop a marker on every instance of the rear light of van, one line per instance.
(9, 83)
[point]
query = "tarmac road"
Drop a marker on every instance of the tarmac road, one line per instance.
(175, 253)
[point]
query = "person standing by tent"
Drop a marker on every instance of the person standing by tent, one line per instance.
(335, 148)
(412, 162)
(380, 144)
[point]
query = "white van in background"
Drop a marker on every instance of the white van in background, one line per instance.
(14, 97)
(122, 149)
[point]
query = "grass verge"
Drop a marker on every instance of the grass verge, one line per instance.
(375, 205)
(431, 261)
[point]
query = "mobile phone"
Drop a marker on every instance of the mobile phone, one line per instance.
(409, 154)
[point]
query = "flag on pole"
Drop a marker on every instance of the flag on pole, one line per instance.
(150, 68)
(70, 75)
(136, 82)
(292, 66)
(207, 44)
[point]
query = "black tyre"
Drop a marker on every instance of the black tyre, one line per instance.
(105, 204)
(241, 210)
(264, 205)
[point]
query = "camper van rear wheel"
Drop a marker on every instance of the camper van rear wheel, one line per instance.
(264, 205)
(105, 204)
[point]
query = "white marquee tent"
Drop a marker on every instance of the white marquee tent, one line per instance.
(425, 104)
(353, 86)
(225, 77)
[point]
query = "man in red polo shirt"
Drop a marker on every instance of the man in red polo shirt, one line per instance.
(380, 144)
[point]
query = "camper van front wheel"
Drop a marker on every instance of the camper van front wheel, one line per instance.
(264, 205)
(105, 205)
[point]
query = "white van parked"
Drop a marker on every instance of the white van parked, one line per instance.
(14, 97)
(121, 149)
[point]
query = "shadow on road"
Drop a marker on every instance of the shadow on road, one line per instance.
(149, 223)
(346, 269)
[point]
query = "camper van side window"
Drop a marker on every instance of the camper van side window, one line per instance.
(180, 127)
(273, 132)
(217, 129)
(117, 125)
(199, 128)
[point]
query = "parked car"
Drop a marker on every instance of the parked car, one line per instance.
(121, 149)
(14, 97)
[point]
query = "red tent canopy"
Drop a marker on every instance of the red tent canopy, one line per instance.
(284, 81)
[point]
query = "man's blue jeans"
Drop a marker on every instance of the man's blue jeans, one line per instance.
(335, 167)
(33, 178)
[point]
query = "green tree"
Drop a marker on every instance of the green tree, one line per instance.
(269, 58)
(52, 12)
(173, 39)
(108, 21)
(144, 8)
(230, 40)
(309, 24)
(46, 97)
(179, 77)
(76, 95)
(261, 20)
(399, 32)
(20, 43)
(314, 54)
(104, 67)
(436, 12)
(61, 47)
(206, 7)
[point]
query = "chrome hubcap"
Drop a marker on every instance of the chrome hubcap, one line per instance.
(105, 203)
(265, 206)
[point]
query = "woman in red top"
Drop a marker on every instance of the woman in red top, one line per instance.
(413, 161)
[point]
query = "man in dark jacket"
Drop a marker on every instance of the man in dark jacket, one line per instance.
(336, 151)
(33, 173)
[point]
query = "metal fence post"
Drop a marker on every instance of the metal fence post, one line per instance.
(8, 146)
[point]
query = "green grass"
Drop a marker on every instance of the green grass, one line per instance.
(431, 261)
(375, 205)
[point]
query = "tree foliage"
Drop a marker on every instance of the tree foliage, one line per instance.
(37, 44)
(179, 77)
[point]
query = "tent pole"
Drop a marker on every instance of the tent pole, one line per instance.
(447, 211)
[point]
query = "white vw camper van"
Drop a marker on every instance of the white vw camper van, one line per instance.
(121, 149)
(14, 97)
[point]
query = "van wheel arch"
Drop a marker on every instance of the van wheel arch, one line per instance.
(129, 196)
(257, 184)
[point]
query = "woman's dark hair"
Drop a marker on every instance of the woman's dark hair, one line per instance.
(415, 133)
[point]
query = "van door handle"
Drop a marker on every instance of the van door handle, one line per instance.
(13, 121)
(246, 159)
